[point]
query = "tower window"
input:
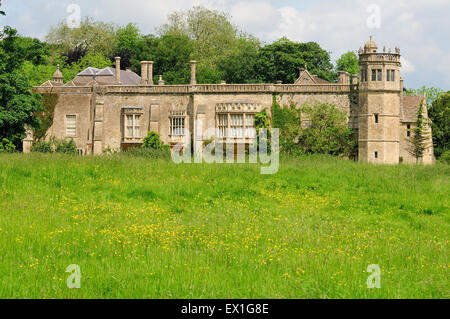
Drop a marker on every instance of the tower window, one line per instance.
(376, 119)
(388, 75)
(380, 75)
(408, 130)
(376, 154)
(392, 75)
(374, 75)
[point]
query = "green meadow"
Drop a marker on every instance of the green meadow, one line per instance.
(141, 228)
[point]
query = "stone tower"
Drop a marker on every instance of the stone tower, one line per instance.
(380, 93)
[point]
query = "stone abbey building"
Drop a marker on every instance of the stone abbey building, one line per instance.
(114, 109)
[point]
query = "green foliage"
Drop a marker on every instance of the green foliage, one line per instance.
(6, 146)
(128, 41)
(17, 103)
(153, 141)
(445, 157)
(42, 147)
(282, 59)
(66, 147)
(152, 153)
(239, 66)
(54, 145)
(417, 142)
(317, 129)
(348, 62)
(45, 117)
(326, 132)
(288, 120)
(92, 36)
(439, 114)
(432, 93)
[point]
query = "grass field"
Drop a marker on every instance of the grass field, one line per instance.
(151, 229)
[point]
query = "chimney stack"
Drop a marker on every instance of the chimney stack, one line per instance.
(143, 73)
(118, 69)
(193, 71)
(150, 73)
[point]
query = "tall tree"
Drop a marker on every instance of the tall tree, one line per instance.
(91, 37)
(418, 142)
(281, 60)
(128, 42)
(348, 62)
(439, 114)
(17, 103)
(213, 35)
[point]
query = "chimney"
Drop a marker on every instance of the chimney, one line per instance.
(143, 73)
(344, 77)
(150, 73)
(118, 69)
(193, 71)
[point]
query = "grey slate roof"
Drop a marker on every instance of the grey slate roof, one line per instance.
(410, 107)
(106, 76)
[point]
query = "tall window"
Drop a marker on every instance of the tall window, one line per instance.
(133, 126)
(376, 119)
(392, 75)
(380, 75)
(223, 125)
(374, 75)
(250, 131)
(388, 75)
(408, 130)
(236, 125)
(71, 125)
(177, 123)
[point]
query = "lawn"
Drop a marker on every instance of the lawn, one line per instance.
(142, 228)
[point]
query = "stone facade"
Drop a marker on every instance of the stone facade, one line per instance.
(114, 109)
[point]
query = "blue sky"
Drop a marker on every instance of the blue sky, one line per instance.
(418, 27)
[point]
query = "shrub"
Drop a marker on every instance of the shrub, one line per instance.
(42, 147)
(162, 153)
(55, 146)
(65, 146)
(6, 146)
(153, 141)
(445, 157)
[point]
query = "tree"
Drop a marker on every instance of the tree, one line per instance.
(239, 65)
(17, 103)
(214, 39)
(326, 131)
(348, 62)
(281, 60)
(417, 142)
(439, 114)
(128, 41)
(432, 93)
(94, 37)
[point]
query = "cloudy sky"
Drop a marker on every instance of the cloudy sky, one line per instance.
(420, 28)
